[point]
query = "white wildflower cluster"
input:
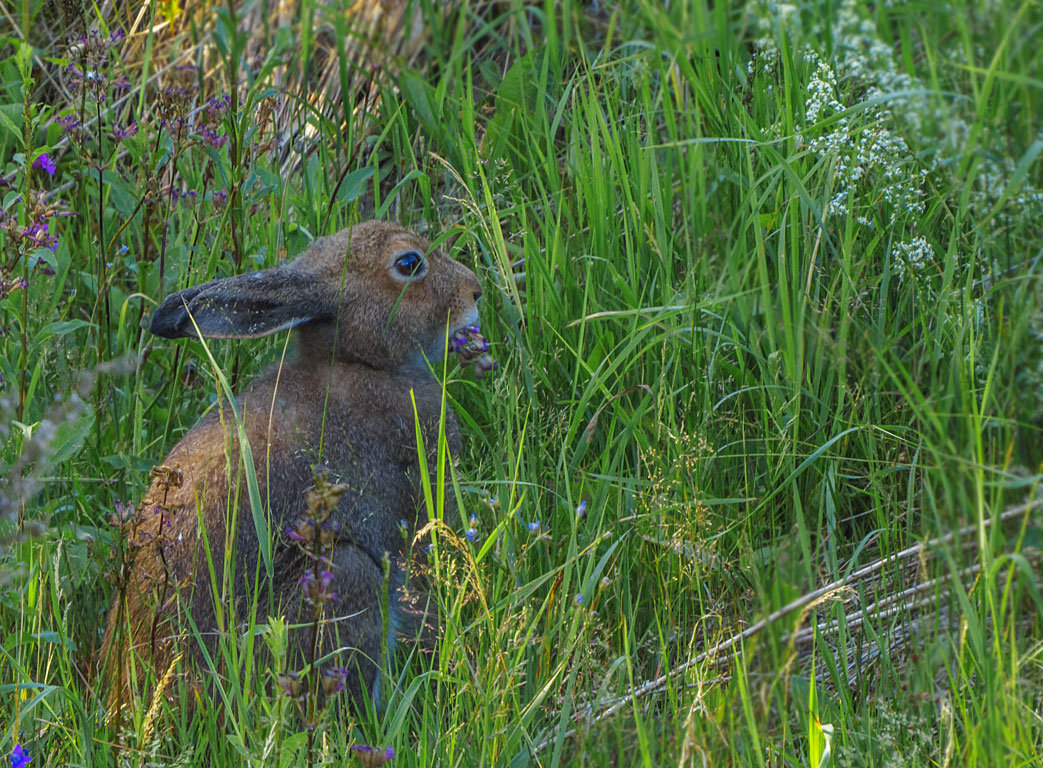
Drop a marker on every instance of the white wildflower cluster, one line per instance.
(915, 254)
(867, 148)
(863, 147)
(765, 59)
(821, 101)
(991, 183)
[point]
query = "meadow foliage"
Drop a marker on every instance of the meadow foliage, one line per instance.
(756, 479)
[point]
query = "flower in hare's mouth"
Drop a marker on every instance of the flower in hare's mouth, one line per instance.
(471, 347)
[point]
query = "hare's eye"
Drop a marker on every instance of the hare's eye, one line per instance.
(410, 264)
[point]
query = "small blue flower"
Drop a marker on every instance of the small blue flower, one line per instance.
(402, 524)
(471, 534)
(19, 758)
(474, 520)
(581, 509)
(579, 599)
(534, 525)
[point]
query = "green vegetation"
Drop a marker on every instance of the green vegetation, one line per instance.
(764, 284)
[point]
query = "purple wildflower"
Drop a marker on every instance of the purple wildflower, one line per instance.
(304, 533)
(579, 599)
(469, 337)
(316, 589)
(189, 195)
(534, 525)
(328, 532)
(68, 122)
(123, 511)
(211, 137)
(372, 757)
(292, 685)
(45, 163)
(581, 509)
(36, 233)
(471, 534)
(334, 680)
(216, 108)
(20, 758)
(125, 132)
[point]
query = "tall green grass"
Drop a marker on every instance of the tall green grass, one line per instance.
(755, 392)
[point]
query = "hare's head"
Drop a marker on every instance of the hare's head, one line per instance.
(375, 293)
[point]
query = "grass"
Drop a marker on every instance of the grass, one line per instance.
(764, 285)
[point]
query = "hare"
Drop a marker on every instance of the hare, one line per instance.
(370, 306)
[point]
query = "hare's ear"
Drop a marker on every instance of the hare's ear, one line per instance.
(243, 307)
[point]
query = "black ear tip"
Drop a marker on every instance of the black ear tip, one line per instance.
(170, 318)
(166, 322)
(166, 325)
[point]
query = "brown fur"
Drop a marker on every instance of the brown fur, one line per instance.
(343, 404)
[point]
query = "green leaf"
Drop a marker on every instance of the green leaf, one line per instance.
(353, 183)
(50, 636)
(69, 438)
(420, 95)
(9, 113)
(61, 328)
(123, 195)
(515, 100)
(129, 462)
(390, 199)
(291, 747)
